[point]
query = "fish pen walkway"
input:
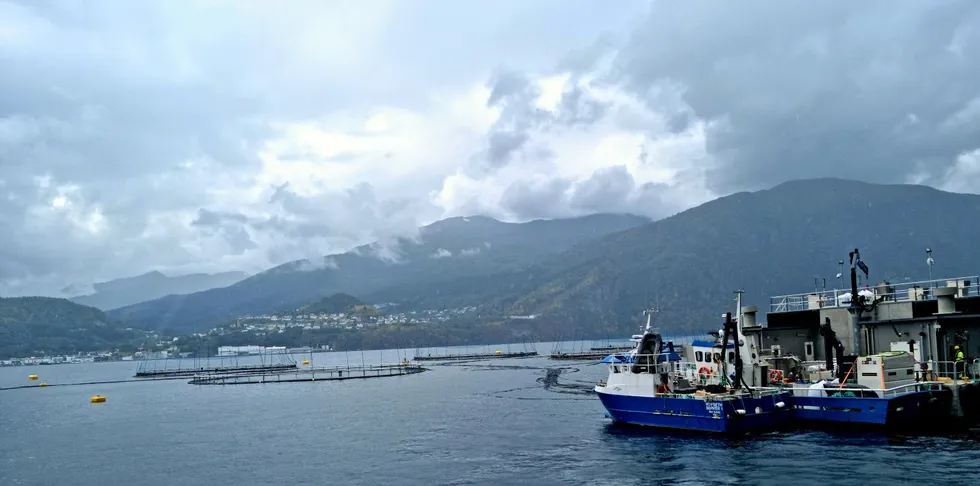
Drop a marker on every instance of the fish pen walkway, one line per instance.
(270, 360)
(455, 357)
(613, 349)
(309, 374)
(216, 369)
(588, 355)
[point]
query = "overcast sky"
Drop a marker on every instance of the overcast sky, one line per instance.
(236, 135)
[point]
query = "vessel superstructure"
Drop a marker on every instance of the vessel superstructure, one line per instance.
(880, 359)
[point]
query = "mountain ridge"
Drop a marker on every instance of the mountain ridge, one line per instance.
(152, 285)
(772, 241)
(38, 326)
(820, 220)
(446, 249)
(768, 242)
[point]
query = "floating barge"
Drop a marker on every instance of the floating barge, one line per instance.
(468, 356)
(308, 374)
(912, 360)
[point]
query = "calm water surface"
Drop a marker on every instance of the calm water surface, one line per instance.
(486, 422)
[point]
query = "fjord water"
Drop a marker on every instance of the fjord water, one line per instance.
(504, 421)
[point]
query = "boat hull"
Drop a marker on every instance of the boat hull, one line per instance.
(898, 410)
(697, 414)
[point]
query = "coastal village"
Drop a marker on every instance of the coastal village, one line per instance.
(360, 317)
(366, 316)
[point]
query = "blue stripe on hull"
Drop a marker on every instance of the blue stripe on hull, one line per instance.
(873, 411)
(692, 414)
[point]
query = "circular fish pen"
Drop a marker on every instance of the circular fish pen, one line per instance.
(269, 360)
(310, 374)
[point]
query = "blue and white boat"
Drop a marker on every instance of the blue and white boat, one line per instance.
(654, 387)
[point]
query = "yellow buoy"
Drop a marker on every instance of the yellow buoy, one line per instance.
(98, 399)
(498, 352)
(31, 377)
(306, 361)
(42, 384)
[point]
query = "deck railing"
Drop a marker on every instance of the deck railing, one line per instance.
(954, 370)
(892, 292)
(880, 392)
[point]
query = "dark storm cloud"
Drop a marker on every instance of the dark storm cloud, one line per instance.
(516, 95)
(503, 143)
(576, 108)
(217, 218)
(607, 190)
(342, 217)
(679, 122)
(873, 90)
(535, 199)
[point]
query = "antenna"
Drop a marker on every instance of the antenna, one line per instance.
(930, 262)
(738, 310)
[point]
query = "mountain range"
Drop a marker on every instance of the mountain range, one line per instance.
(38, 326)
(766, 243)
(592, 276)
(596, 274)
(472, 247)
(152, 285)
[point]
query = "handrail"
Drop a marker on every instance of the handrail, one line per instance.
(899, 291)
(886, 392)
(953, 369)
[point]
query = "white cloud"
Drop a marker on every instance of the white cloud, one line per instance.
(465, 252)
(964, 175)
(441, 253)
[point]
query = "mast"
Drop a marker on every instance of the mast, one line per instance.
(744, 353)
(738, 312)
(855, 308)
(726, 332)
(731, 329)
